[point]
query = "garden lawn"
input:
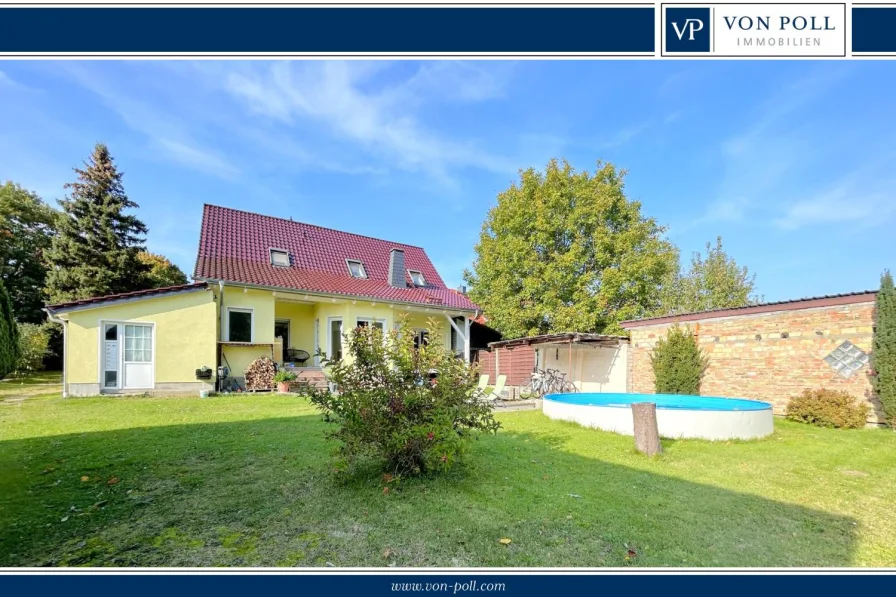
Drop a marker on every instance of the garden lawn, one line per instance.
(245, 481)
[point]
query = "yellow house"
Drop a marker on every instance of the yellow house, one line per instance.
(264, 286)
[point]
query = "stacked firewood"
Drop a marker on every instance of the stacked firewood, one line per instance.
(260, 374)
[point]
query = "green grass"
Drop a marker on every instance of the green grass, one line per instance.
(244, 480)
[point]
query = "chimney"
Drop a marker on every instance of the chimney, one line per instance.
(396, 269)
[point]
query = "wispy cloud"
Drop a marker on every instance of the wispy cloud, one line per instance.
(764, 155)
(374, 116)
(857, 201)
(7, 82)
(165, 132)
(624, 135)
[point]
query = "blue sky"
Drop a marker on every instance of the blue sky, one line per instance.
(792, 163)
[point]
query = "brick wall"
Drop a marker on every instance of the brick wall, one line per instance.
(768, 356)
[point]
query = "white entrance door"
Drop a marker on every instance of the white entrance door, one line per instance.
(110, 357)
(137, 358)
(334, 338)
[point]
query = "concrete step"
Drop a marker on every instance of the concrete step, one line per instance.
(312, 377)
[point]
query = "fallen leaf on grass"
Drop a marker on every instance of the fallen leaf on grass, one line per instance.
(574, 495)
(387, 553)
(505, 541)
(112, 481)
(85, 479)
(385, 490)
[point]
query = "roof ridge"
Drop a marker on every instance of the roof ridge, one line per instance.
(755, 306)
(131, 293)
(291, 221)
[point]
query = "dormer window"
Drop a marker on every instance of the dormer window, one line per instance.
(417, 278)
(280, 257)
(356, 268)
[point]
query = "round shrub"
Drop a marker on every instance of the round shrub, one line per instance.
(828, 408)
(388, 408)
(678, 363)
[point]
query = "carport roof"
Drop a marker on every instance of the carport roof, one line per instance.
(561, 338)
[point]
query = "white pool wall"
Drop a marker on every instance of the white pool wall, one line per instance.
(672, 423)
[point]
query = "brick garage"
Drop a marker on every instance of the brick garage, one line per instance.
(768, 352)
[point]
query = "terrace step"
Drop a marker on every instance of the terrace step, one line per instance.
(309, 377)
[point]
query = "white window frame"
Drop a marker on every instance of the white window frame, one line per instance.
(371, 321)
(360, 263)
(251, 313)
(101, 345)
(285, 252)
(411, 273)
(152, 342)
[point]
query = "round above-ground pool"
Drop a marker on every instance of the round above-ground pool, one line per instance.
(677, 416)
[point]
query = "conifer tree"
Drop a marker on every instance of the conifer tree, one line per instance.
(9, 335)
(98, 238)
(883, 355)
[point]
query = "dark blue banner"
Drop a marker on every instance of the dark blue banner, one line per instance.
(874, 29)
(464, 584)
(357, 31)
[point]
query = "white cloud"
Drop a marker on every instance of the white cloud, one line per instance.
(347, 101)
(7, 82)
(759, 162)
(166, 133)
(850, 202)
(624, 135)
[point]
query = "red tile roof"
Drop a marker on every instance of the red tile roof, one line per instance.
(234, 246)
(828, 300)
(127, 296)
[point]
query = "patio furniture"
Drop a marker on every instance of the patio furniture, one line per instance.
(294, 355)
(483, 383)
(495, 394)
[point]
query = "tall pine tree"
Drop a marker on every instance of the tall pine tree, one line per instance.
(95, 249)
(9, 335)
(883, 355)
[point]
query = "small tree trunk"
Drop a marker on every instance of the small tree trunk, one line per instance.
(647, 435)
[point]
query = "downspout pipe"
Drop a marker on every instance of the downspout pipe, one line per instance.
(64, 323)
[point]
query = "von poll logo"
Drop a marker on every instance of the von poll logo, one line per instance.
(687, 29)
(730, 30)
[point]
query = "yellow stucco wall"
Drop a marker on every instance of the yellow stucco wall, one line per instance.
(187, 328)
(184, 335)
(261, 302)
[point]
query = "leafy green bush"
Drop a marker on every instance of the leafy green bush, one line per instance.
(828, 408)
(387, 409)
(33, 348)
(678, 363)
(284, 375)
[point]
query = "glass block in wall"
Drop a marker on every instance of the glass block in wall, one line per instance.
(846, 359)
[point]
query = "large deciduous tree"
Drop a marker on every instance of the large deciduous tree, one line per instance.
(26, 229)
(715, 281)
(568, 251)
(883, 355)
(95, 250)
(161, 271)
